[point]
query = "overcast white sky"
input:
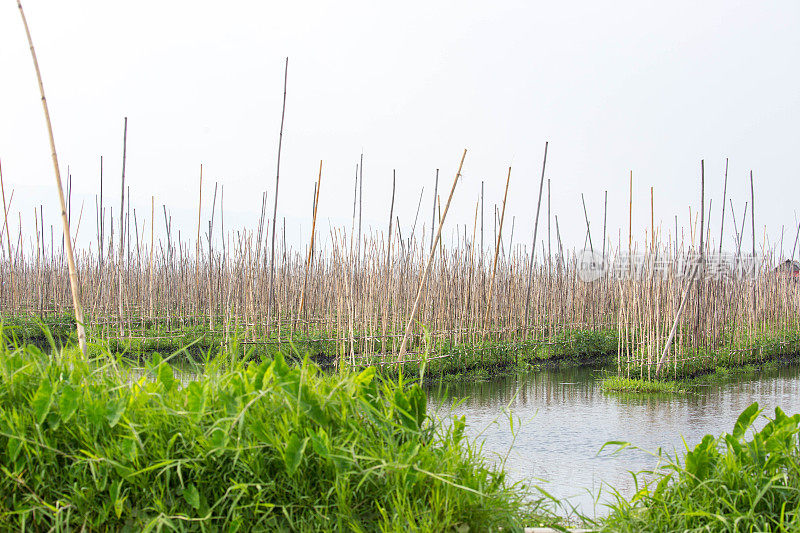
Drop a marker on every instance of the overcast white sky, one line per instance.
(652, 87)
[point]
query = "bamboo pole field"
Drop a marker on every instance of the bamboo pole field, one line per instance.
(677, 309)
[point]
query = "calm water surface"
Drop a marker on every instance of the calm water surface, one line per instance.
(566, 418)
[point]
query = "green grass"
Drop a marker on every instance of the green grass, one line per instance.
(259, 446)
(267, 446)
(726, 483)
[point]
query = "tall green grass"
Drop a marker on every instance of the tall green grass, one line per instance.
(726, 483)
(96, 445)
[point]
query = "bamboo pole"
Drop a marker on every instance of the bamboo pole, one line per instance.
(73, 275)
(724, 196)
(549, 255)
(588, 229)
(630, 216)
(433, 209)
(753, 222)
(121, 262)
(425, 272)
(277, 182)
(311, 244)
(605, 214)
(496, 253)
(533, 244)
(150, 277)
(197, 242)
(388, 275)
(652, 222)
(8, 235)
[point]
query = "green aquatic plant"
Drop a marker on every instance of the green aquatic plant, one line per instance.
(99, 445)
(623, 384)
(725, 483)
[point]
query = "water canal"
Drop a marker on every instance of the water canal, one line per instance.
(565, 418)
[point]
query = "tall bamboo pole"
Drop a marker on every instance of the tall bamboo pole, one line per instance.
(388, 275)
(427, 269)
(588, 229)
(433, 209)
(630, 218)
(360, 205)
(724, 196)
(533, 244)
(73, 274)
(8, 235)
(548, 221)
(605, 215)
(753, 222)
(277, 182)
(700, 294)
(197, 243)
(152, 224)
(496, 254)
(311, 244)
(652, 223)
(121, 263)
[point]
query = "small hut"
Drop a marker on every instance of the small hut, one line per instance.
(789, 269)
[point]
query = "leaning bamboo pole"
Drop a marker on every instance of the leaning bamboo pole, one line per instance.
(311, 245)
(425, 272)
(270, 294)
(73, 273)
(496, 253)
(120, 258)
(533, 244)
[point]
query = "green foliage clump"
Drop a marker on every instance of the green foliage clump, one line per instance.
(726, 483)
(623, 384)
(95, 445)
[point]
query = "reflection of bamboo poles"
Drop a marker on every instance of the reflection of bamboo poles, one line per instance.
(73, 274)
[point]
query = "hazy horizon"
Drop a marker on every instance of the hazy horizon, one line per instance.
(639, 87)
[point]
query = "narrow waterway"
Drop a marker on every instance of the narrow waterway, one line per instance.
(565, 418)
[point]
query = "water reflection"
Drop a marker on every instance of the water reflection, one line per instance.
(566, 418)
